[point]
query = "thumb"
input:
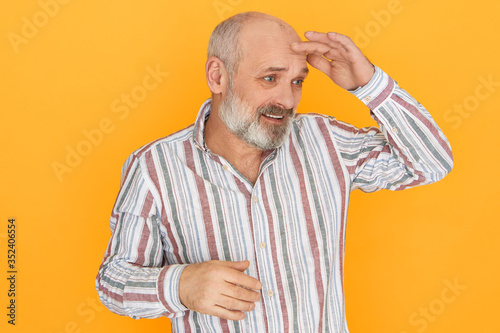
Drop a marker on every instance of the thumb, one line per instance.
(319, 62)
(238, 265)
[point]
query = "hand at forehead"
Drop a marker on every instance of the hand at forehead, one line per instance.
(321, 43)
(337, 56)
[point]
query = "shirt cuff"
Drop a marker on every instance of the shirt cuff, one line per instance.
(376, 91)
(168, 289)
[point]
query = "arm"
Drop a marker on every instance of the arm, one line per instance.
(135, 280)
(408, 149)
(132, 278)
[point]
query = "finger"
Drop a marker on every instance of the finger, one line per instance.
(241, 293)
(235, 304)
(243, 280)
(238, 265)
(335, 40)
(330, 52)
(236, 275)
(317, 37)
(340, 39)
(336, 54)
(224, 313)
(320, 63)
(311, 47)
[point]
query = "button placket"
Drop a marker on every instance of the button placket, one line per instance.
(261, 244)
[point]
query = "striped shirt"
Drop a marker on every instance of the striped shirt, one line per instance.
(180, 204)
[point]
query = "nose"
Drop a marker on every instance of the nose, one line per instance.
(285, 96)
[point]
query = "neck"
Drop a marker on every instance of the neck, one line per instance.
(221, 141)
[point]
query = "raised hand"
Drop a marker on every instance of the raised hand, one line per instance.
(338, 57)
(219, 288)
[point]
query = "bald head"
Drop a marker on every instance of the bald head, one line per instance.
(232, 37)
(254, 99)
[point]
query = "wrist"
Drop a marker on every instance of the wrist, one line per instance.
(364, 78)
(168, 288)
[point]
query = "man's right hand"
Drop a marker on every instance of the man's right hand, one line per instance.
(219, 288)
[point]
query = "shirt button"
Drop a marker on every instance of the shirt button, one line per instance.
(270, 293)
(394, 130)
(367, 99)
(225, 167)
(255, 199)
(262, 245)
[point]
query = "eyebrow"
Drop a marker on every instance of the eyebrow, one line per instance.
(281, 69)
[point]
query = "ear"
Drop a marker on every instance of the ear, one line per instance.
(217, 76)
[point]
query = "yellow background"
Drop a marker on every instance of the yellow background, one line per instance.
(61, 79)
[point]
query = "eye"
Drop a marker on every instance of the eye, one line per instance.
(298, 82)
(269, 78)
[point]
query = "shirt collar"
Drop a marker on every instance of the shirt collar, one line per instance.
(199, 125)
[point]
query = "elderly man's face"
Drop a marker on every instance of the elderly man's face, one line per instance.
(267, 86)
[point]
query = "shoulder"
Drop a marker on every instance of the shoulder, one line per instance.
(170, 140)
(318, 127)
(316, 121)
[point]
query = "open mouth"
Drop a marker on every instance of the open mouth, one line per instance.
(273, 116)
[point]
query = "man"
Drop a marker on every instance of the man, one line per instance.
(237, 223)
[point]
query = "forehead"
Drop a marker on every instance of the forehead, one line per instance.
(266, 43)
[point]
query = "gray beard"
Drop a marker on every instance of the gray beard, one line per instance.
(242, 122)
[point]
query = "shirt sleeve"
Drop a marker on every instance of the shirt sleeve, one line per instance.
(406, 150)
(133, 279)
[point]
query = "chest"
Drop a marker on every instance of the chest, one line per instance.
(211, 211)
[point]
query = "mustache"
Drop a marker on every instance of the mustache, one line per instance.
(275, 110)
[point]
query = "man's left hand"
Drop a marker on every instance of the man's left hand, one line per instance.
(338, 57)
